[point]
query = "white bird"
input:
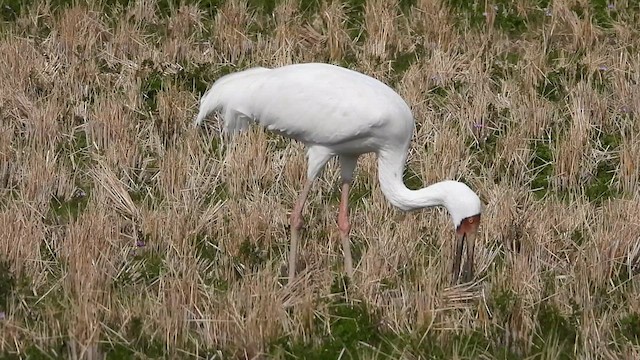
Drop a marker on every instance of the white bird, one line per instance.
(339, 112)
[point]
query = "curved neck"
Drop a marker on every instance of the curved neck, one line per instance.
(390, 171)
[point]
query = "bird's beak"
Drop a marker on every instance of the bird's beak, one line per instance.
(466, 233)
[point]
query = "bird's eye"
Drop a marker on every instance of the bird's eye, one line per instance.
(471, 221)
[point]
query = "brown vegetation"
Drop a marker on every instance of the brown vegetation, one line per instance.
(120, 224)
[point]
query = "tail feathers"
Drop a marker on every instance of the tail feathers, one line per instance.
(208, 104)
(234, 120)
(217, 98)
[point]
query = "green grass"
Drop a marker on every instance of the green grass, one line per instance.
(542, 162)
(355, 20)
(601, 187)
(555, 332)
(10, 10)
(7, 284)
(505, 67)
(144, 267)
(402, 62)
(63, 211)
(355, 331)
(199, 77)
(139, 342)
(473, 14)
(153, 83)
(552, 88)
(629, 327)
(412, 180)
(351, 326)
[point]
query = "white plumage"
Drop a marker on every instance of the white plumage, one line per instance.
(339, 112)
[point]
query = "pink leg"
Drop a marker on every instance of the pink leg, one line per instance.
(345, 227)
(297, 222)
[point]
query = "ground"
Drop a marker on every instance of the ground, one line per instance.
(126, 233)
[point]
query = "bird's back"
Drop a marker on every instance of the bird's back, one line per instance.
(321, 104)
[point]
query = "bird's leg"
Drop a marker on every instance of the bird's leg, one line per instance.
(345, 227)
(297, 222)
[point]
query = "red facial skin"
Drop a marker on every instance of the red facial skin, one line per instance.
(465, 234)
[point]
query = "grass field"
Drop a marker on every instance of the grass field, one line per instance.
(125, 233)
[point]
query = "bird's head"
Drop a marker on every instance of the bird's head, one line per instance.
(465, 207)
(468, 228)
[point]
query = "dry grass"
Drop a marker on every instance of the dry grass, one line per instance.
(126, 233)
